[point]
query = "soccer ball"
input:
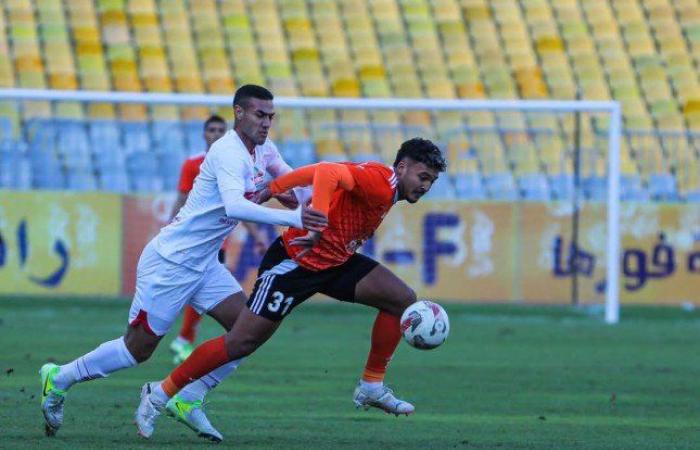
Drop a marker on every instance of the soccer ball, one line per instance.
(425, 325)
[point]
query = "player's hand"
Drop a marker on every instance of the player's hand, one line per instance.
(312, 219)
(306, 242)
(262, 196)
(288, 200)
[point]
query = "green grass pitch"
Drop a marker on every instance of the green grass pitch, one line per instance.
(509, 377)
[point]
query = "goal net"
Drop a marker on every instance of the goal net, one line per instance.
(528, 211)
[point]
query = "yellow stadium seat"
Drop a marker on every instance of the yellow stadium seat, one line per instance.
(330, 149)
(189, 83)
(643, 53)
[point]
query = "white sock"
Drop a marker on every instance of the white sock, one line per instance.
(99, 363)
(197, 389)
(371, 385)
(158, 395)
(181, 340)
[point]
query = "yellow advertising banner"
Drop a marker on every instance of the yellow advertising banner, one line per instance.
(496, 251)
(60, 243)
(523, 252)
(446, 250)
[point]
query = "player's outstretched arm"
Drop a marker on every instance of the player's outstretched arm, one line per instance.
(239, 208)
(229, 170)
(325, 177)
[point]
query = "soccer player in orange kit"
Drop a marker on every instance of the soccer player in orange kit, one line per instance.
(356, 198)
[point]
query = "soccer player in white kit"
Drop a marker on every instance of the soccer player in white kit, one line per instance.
(179, 266)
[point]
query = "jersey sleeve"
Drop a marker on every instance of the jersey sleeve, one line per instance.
(229, 169)
(187, 177)
(326, 178)
(276, 165)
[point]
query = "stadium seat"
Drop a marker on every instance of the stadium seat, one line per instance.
(46, 171)
(662, 187)
(442, 189)
(142, 172)
(9, 160)
(562, 186)
(501, 186)
(469, 186)
(81, 180)
(631, 189)
(594, 187)
(136, 137)
(534, 187)
(643, 53)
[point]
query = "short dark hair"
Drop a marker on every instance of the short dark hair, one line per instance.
(423, 151)
(248, 91)
(214, 118)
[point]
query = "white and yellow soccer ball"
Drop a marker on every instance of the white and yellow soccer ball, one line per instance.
(425, 325)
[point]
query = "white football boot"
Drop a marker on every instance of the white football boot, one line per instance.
(52, 399)
(192, 415)
(147, 412)
(382, 398)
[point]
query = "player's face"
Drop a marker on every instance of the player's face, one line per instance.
(213, 132)
(415, 179)
(254, 121)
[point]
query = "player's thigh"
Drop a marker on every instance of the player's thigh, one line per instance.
(216, 288)
(162, 290)
(281, 289)
(282, 284)
(227, 312)
(382, 289)
(363, 280)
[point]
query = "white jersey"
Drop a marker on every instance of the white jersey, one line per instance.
(197, 232)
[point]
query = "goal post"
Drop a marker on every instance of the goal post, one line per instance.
(612, 128)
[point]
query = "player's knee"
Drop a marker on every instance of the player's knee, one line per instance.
(141, 347)
(408, 297)
(139, 350)
(404, 300)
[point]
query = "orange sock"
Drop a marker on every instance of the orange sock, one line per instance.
(386, 335)
(206, 357)
(190, 322)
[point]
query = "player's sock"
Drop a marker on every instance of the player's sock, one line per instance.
(205, 358)
(371, 385)
(99, 363)
(197, 389)
(181, 340)
(386, 334)
(190, 322)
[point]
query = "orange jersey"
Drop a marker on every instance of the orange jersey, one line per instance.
(190, 170)
(357, 207)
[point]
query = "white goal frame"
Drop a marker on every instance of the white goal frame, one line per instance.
(612, 298)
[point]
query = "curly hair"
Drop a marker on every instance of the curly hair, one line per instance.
(423, 151)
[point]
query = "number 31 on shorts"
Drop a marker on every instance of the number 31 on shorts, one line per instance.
(277, 300)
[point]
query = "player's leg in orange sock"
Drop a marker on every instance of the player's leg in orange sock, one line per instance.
(386, 335)
(190, 323)
(206, 357)
(248, 333)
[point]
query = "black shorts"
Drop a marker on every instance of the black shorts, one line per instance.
(282, 284)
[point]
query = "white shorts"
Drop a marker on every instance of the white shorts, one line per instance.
(163, 288)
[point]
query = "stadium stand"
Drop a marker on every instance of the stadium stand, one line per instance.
(644, 53)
